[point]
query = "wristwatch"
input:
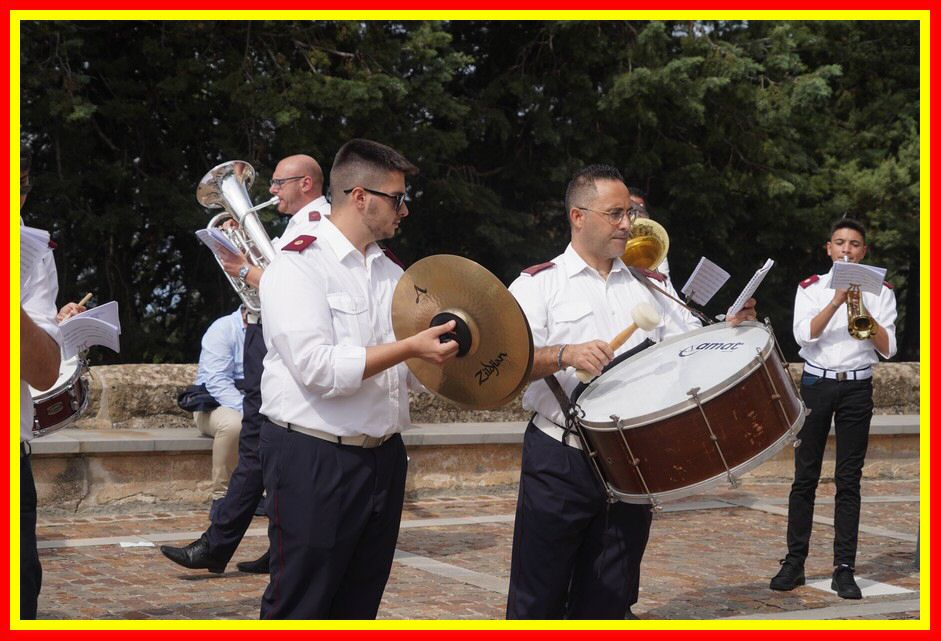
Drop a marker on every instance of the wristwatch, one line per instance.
(243, 272)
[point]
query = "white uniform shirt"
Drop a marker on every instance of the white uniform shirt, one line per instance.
(38, 299)
(301, 219)
(835, 349)
(322, 307)
(570, 303)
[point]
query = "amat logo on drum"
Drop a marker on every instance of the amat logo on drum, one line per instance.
(710, 347)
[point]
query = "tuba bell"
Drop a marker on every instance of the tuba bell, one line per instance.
(226, 187)
(647, 245)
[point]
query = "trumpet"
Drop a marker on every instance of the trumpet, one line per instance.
(859, 323)
(226, 187)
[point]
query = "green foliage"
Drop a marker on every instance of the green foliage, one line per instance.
(750, 138)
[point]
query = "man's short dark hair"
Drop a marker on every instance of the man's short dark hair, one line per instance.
(848, 223)
(582, 184)
(360, 162)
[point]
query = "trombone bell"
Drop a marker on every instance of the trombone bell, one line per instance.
(647, 246)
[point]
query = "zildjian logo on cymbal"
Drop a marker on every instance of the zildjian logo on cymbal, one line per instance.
(490, 368)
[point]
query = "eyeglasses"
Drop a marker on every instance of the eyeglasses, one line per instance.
(398, 199)
(278, 182)
(615, 216)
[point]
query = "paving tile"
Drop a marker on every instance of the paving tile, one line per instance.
(709, 557)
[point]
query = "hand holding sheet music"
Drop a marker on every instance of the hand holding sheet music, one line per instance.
(868, 278)
(214, 239)
(97, 326)
(750, 288)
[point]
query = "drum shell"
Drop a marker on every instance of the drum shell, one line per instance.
(676, 455)
(62, 405)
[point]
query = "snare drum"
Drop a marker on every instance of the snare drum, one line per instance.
(64, 402)
(690, 413)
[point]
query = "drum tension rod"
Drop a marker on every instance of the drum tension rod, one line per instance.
(775, 395)
(694, 394)
(635, 463)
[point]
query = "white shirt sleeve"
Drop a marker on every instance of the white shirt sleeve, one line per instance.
(38, 297)
(526, 290)
(299, 322)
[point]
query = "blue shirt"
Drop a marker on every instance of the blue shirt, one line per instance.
(220, 361)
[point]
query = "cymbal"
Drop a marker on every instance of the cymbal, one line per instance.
(496, 353)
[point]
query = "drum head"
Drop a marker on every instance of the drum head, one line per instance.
(69, 369)
(655, 383)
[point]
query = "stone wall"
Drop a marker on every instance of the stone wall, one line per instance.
(144, 396)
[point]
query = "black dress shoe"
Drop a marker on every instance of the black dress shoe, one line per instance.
(258, 566)
(194, 556)
(844, 583)
(789, 576)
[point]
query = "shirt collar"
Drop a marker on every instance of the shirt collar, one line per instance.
(575, 264)
(318, 204)
(341, 245)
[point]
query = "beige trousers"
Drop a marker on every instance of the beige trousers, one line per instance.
(223, 424)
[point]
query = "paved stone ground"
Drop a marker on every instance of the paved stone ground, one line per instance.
(709, 557)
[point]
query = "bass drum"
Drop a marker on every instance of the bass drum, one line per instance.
(690, 413)
(64, 402)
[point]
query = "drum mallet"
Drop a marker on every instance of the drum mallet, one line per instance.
(645, 317)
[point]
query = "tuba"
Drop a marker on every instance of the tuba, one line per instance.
(647, 246)
(226, 187)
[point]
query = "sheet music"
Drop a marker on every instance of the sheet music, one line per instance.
(705, 281)
(34, 243)
(750, 288)
(213, 238)
(97, 326)
(868, 277)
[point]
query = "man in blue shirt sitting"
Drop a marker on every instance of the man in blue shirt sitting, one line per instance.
(220, 370)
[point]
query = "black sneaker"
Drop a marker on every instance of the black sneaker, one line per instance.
(789, 576)
(844, 584)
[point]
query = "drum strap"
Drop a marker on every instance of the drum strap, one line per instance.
(568, 410)
(639, 275)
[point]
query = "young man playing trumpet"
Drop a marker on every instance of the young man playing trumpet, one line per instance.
(836, 384)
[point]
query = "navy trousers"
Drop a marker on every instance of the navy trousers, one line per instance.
(334, 513)
(575, 556)
(849, 405)
(233, 514)
(30, 569)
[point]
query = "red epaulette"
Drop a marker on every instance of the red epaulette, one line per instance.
(391, 256)
(652, 274)
(888, 284)
(810, 280)
(299, 244)
(52, 244)
(535, 269)
(313, 216)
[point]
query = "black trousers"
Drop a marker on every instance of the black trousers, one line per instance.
(849, 405)
(575, 556)
(30, 569)
(335, 513)
(234, 513)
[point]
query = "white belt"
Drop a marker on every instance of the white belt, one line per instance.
(360, 440)
(851, 375)
(552, 430)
